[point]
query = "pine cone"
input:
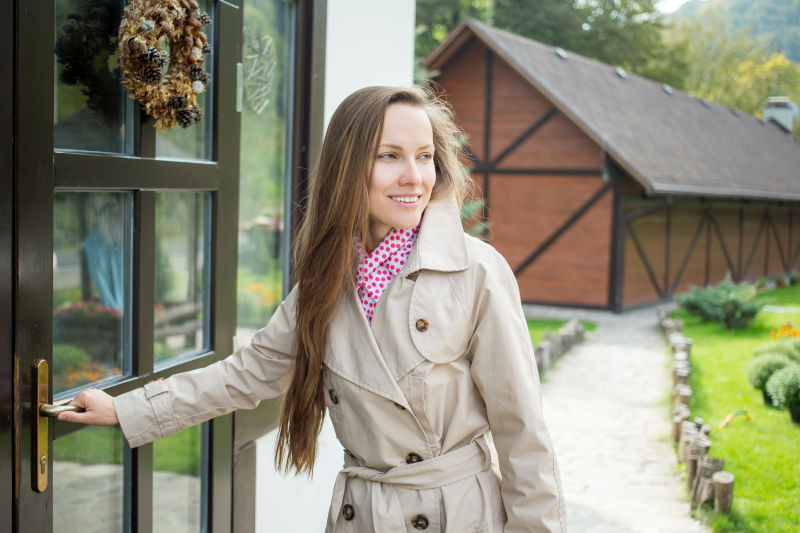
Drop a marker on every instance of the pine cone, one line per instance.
(178, 101)
(151, 74)
(187, 117)
(203, 18)
(196, 72)
(206, 49)
(155, 57)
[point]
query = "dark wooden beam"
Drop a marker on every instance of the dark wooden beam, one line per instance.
(708, 245)
(667, 244)
(754, 248)
(778, 241)
(647, 211)
(525, 134)
(530, 172)
(725, 251)
(561, 229)
(615, 274)
(643, 257)
(741, 241)
(487, 128)
(686, 257)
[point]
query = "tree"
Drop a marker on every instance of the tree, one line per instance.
(625, 33)
(734, 69)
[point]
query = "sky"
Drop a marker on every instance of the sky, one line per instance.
(668, 6)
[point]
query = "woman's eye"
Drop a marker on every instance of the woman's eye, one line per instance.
(426, 156)
(386, 156)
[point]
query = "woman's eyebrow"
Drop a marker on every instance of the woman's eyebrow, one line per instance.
(398, 147)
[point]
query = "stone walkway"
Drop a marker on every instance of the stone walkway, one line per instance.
(607, 405)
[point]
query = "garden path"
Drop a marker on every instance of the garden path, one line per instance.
(606, 404)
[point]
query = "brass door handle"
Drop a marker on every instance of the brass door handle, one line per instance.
(53, 411)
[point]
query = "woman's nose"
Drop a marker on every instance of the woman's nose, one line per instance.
(411, 173)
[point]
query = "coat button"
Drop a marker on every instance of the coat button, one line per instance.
(333, 397)
(422, 325)
(413, 458)
(399, 406)
(348, 512)
(420, 521)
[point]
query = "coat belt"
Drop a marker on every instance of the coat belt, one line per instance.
(387, 514)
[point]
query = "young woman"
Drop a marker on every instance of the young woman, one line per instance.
(409, 332)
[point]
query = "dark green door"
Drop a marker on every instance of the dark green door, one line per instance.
(118, 263)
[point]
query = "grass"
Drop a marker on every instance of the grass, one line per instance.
(538, 327)
(179, 453)
(762, 453)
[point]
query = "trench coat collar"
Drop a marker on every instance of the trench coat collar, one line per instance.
(440, 244)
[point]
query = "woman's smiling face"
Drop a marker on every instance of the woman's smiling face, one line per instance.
(403, 172)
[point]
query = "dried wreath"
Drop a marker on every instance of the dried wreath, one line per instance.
(145, 26)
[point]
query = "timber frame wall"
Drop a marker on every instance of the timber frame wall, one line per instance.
(604, 244)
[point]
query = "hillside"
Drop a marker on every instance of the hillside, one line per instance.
(776, 23)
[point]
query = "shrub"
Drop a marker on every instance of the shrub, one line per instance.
(784, 387)
(67, 357)
(789, 348)
(762, 368)
(728, 303)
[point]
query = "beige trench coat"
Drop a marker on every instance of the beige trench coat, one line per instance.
(446, 358)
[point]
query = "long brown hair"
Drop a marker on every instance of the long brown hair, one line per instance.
(325, 258)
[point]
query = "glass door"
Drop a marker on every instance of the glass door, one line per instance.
(124, 272)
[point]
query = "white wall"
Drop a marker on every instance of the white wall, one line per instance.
(368, 42)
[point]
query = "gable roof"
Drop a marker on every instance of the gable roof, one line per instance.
(667, 140)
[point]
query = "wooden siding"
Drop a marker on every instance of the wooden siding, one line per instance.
(706, 241)
(540, 171)
(465, 90)
(525, 213)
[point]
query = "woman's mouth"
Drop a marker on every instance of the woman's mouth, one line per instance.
(406, 200)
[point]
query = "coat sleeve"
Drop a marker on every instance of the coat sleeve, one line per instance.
(504, 370)
(259, 370)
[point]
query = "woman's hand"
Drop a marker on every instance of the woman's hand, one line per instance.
(98, 409)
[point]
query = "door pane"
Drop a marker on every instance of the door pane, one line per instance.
(91, 287)
(265, 134)
(88, 482)
(178, 482)
(194, 142)
(90, 103)
(181, 280)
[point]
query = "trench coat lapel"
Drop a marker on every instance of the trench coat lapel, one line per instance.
(352, 350)
(353, 353)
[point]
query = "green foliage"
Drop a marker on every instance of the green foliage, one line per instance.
(538, 327)
(762, 368)
(728, 303)
(761, 453)
(625, 33)
(472, 218)
(67, 357)
(789, 348)
(784, 386)
(728, 65)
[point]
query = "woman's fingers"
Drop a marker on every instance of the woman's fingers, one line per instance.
(98, 409)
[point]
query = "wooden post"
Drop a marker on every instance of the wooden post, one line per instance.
(723, 491)
(703, 490)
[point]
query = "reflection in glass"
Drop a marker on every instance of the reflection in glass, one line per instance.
(265, 133)
(91, 284)
(178, 482)
(88, 482)
(90, 104)
(193, 142)
(181, 284)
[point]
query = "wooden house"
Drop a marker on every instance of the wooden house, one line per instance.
(607, 190)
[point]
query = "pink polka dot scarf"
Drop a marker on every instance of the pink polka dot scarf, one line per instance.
(379, 268)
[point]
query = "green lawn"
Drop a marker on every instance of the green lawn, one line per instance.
(763, 453)
(539, 326)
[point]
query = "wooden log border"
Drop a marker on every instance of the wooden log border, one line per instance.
(706, 481)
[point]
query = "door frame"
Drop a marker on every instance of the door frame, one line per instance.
(34, 170)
